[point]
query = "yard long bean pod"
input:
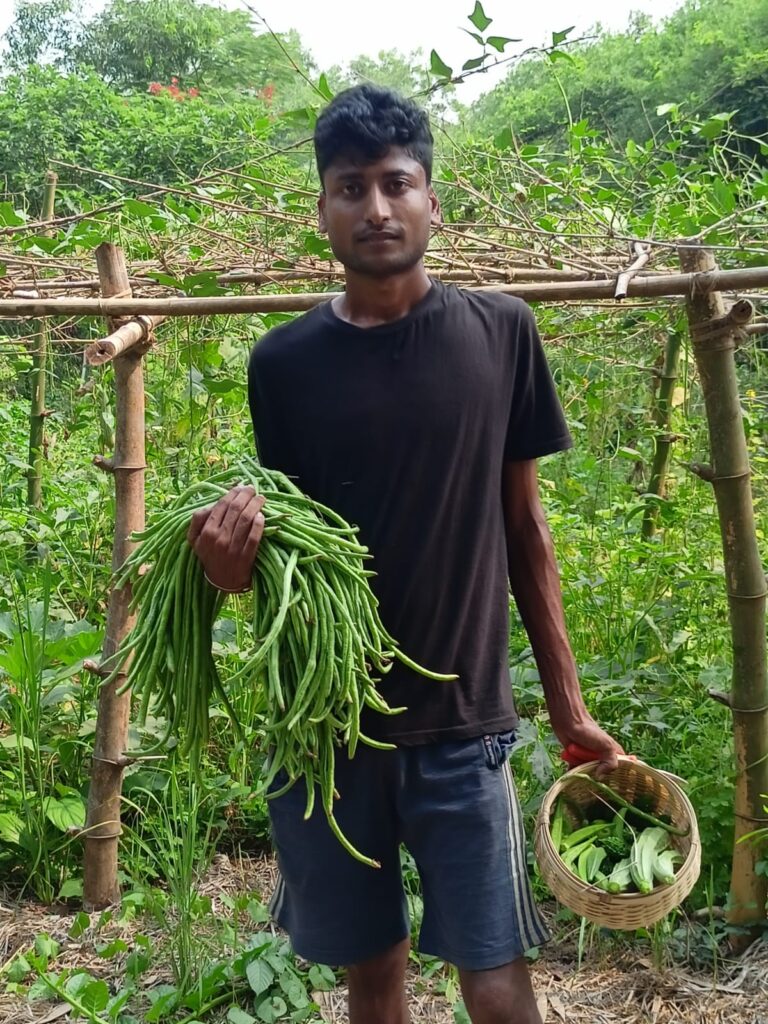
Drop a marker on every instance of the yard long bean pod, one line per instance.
(317, 635)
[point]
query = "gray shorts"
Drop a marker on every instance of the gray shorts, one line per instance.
(454, 806)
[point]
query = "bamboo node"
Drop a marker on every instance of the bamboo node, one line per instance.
(748, 597)
(750, 711)
(719, 478)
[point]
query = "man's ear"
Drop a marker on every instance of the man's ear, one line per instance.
(436, 215)
(321, 225)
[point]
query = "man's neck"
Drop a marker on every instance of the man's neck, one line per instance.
(370, 302)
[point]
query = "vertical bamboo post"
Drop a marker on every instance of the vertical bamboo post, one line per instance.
(100, 886)
(714, 342)
(664, 439)
(39, 360)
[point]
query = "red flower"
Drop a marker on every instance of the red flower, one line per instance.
(155, 88)
(192, 93)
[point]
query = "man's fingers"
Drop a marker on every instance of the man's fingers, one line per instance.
(253, 540)
(244, 523)
(235, 506)
(199, 519)
(237, 497)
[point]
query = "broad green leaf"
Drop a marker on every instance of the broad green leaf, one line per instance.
(666, 108)
(221, 386)
(260, 975)
(82, 921)
(560, 37)
(272, 1009)
(95, 997)
(140, 209)
(317, 246)
(11, 741)
(724, 195)
(294, 990)
(237, 1016)
(470, 65)
(71, 889)
(322, 978)
(46, 947)
(560, 55)
(9, 217)
(479, 18)
(323, 88)
(438, 66)
(11, 827)
(504, 139)
(499, 42)
(66, 813)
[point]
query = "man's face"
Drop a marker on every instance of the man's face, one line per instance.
(378, 215)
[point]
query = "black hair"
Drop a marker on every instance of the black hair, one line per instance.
(363, 122)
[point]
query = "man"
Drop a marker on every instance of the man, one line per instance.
(417, 411)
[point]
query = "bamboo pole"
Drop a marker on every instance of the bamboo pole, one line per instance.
(664, 439)
(100, 885)
(644, 287)
(39, 367)
(714, 338)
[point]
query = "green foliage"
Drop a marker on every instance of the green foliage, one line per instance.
(709, 55)
(131, 44)
(80, 120)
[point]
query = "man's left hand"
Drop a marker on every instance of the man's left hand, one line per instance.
(585, 732)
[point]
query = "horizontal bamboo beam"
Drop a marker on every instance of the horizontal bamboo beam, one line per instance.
(502, 274)
(586, 291)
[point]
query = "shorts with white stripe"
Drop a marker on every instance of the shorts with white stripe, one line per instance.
(454, 806)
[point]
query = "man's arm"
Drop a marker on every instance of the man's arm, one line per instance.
(535, 582)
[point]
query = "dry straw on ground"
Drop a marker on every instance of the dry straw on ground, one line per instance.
(616, 985)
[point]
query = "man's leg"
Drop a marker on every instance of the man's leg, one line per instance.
(502, 995)
(377, 988)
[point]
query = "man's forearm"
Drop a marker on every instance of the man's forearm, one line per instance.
(535, 583)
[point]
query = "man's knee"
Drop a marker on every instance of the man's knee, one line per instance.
(503, 995)
(376, 987)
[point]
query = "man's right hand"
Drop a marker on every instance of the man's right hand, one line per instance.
(226, 536)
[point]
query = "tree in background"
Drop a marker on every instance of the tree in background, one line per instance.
(708, 56)
(42, 30)
(133, 43)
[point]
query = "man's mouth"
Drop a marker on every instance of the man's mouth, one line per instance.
(379, 236)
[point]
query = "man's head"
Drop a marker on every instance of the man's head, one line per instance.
(374, 156)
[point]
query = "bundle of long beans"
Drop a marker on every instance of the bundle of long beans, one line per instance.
(317, 631)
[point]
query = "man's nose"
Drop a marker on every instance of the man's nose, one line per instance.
(377, 209)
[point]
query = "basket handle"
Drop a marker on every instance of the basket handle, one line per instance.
(575, 755)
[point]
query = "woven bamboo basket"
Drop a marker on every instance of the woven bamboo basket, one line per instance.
(622, 911)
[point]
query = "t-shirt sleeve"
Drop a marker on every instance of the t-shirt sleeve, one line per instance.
(536, 425)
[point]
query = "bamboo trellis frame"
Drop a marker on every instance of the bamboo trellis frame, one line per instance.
(582, 263)
(663, 285)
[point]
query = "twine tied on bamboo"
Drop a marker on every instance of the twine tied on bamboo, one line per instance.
(723, 332)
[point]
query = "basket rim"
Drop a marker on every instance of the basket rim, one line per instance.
(552, 867)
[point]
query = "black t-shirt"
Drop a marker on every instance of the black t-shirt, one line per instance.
(403, 429)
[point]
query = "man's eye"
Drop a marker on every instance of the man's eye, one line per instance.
(399, 185)
(351, 189)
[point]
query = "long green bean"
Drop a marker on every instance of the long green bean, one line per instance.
(316, 629)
